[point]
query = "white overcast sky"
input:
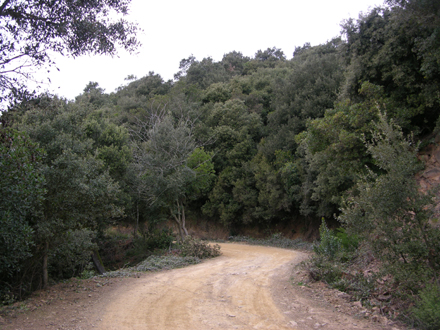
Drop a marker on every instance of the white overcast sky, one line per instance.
(175, 29)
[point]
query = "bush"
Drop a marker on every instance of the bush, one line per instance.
(276, 240)
(192, 247)
(152, 264)
(115, 249)
(155, 263)
(388, 211)
(330, 245)
(350, 243)
(159, 239)
(427, 310)
(72, 254)
(321, 269)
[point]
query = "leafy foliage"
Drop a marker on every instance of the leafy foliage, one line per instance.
(32, 30)
(329, 245)
(391, 214)
(192, 247)
(397, 49)
(427, 310)
(155, 263)
(276, 240)
(72, 254)
(22, 190)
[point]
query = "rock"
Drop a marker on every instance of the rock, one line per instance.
(383, 297)
(437, 154)
(433, 174)
(383, 320)
(357, 304)
(343, 295)
(293, 324)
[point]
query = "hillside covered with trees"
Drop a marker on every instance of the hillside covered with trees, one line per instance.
(331, 133)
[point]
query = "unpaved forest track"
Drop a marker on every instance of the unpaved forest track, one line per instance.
(228, 292)
(248, 287)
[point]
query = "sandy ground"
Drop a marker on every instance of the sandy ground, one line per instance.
(248, 287)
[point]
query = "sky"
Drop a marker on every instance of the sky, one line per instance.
(175, 29)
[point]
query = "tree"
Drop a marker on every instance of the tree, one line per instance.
(33, 30)
(233, 62)
(22, 191)
(308, 89)
(171, 166)
(270, 54)
(333, 152)
(269, 58)
(236, 131)
(80, 193)
(389, 212)
(397, 48)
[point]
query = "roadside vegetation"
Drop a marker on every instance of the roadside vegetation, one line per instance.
(386, 254)
(276, 240)
(170, 256)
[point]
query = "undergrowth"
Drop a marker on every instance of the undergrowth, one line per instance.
(193, 247)
(345, 264)
(276, 240)
(189, 252)
(153, 264)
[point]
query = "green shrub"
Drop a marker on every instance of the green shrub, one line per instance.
(159, 239)
(276, 240)
(359, 286)
(192, 247)
(387, 210)
(155, 263)
(72, 254)
(349, 242)
(322, 269)
(146, 245)
(330, 244)
(427, 310)
(89, 272)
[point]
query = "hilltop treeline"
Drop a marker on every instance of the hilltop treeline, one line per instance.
(245, 141)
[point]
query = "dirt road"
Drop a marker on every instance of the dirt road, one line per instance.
(229, 292)
(248, 287)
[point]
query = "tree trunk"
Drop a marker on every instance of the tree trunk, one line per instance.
(179, 217)
(180, 230)
(45, 273)
(97, 262)
(183, 220)
(136, 229)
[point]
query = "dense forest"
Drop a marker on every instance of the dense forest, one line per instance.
(329, 134)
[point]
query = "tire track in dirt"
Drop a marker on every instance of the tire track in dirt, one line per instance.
(228, 292)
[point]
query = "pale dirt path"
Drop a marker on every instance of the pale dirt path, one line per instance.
(248, 287)
(228, 292)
